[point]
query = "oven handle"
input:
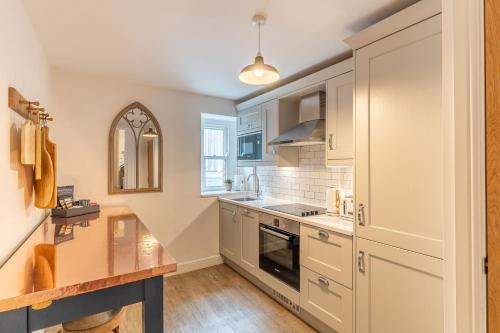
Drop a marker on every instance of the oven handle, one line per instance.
(275, 233)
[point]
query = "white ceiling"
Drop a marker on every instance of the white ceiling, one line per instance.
(197, 45)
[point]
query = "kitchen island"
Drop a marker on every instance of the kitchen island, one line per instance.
(72, 268)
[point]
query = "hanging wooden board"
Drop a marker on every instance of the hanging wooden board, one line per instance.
(44, 187)
(52, 150)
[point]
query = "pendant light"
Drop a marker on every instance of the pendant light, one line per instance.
(259, 73)
(151, 133)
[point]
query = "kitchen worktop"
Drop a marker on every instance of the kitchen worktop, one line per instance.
(80, 255)
(327, 222)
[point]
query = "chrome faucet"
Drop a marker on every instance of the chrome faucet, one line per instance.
(256, 185)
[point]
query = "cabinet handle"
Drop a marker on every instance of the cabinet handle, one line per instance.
(330, 141)
(245, 212)
(323, 281)
(361, 261)
(323, 234)
(361, 214)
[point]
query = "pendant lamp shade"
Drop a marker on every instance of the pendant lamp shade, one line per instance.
(259, 73)
(151, 133)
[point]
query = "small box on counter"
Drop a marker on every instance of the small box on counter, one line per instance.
(68, 207)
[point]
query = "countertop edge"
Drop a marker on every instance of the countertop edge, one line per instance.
(18, 302)
(290, 217)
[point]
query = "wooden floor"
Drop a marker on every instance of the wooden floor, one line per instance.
(217, 299)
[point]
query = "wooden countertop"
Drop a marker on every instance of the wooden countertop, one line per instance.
(67, 257)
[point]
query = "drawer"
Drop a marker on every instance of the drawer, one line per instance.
(328, 253)
(226, 205)
(326, 300)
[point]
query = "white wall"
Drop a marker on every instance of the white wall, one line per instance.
(22, 65)
(84, 108)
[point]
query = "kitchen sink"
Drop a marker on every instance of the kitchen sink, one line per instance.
(244, 199)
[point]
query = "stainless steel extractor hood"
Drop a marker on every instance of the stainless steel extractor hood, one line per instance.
(311, 127)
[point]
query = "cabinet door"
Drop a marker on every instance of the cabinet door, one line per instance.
(339, 119)
(326, 300)
(399, 140)
(270, 126)
(249, 240)
(249, 120)
(397, 290)
(229, 232)
(327, 253)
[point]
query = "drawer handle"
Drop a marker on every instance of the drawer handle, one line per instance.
(330, 141)
(361, 214)
(246, 211)
(323, 234)
(361, 261)
(323, 281)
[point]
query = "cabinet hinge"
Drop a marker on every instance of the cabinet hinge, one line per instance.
(485, 261)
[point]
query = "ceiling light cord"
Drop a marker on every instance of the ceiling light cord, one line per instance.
(259, 73)
(259, 38)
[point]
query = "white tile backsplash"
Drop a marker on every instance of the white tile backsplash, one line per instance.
(307, 182)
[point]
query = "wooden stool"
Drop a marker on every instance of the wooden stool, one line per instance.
(112, 325)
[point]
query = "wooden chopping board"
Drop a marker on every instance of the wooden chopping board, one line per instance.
(28, 135)
(38, 152)
(52, 150)
(44, 187)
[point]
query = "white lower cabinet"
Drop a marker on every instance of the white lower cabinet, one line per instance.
(325, 271)
(328, 253)
(397, 290)
(249, 240)
(326, 277)
(326, 300)
(229, 231)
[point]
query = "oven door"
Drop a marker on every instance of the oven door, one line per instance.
(279, 255)
(250, 147)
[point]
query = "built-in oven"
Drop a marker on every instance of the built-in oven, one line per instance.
(279, 246)
(250, 146)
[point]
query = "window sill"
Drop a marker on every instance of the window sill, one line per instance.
(219, 193)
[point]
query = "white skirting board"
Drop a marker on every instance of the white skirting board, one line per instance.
(193, 265)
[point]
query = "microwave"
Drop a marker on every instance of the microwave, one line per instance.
(250, 146)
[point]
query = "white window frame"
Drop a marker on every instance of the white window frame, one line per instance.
(207, 124)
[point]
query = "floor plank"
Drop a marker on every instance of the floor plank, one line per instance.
(219, 300)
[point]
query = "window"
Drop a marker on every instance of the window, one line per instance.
(216, 158)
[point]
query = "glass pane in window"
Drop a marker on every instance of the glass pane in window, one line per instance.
(215, 170)
(213, 142)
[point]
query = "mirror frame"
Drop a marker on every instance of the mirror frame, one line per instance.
(111, 150)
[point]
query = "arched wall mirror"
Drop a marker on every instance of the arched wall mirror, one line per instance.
(135, 152)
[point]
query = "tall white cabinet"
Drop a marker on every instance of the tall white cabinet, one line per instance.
(399, 173)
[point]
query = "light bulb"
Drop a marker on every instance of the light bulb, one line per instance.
(258, 72)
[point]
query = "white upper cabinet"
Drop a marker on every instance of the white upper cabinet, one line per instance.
(339, 120)
(270, 117)
(249, 120)
(399, 139)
